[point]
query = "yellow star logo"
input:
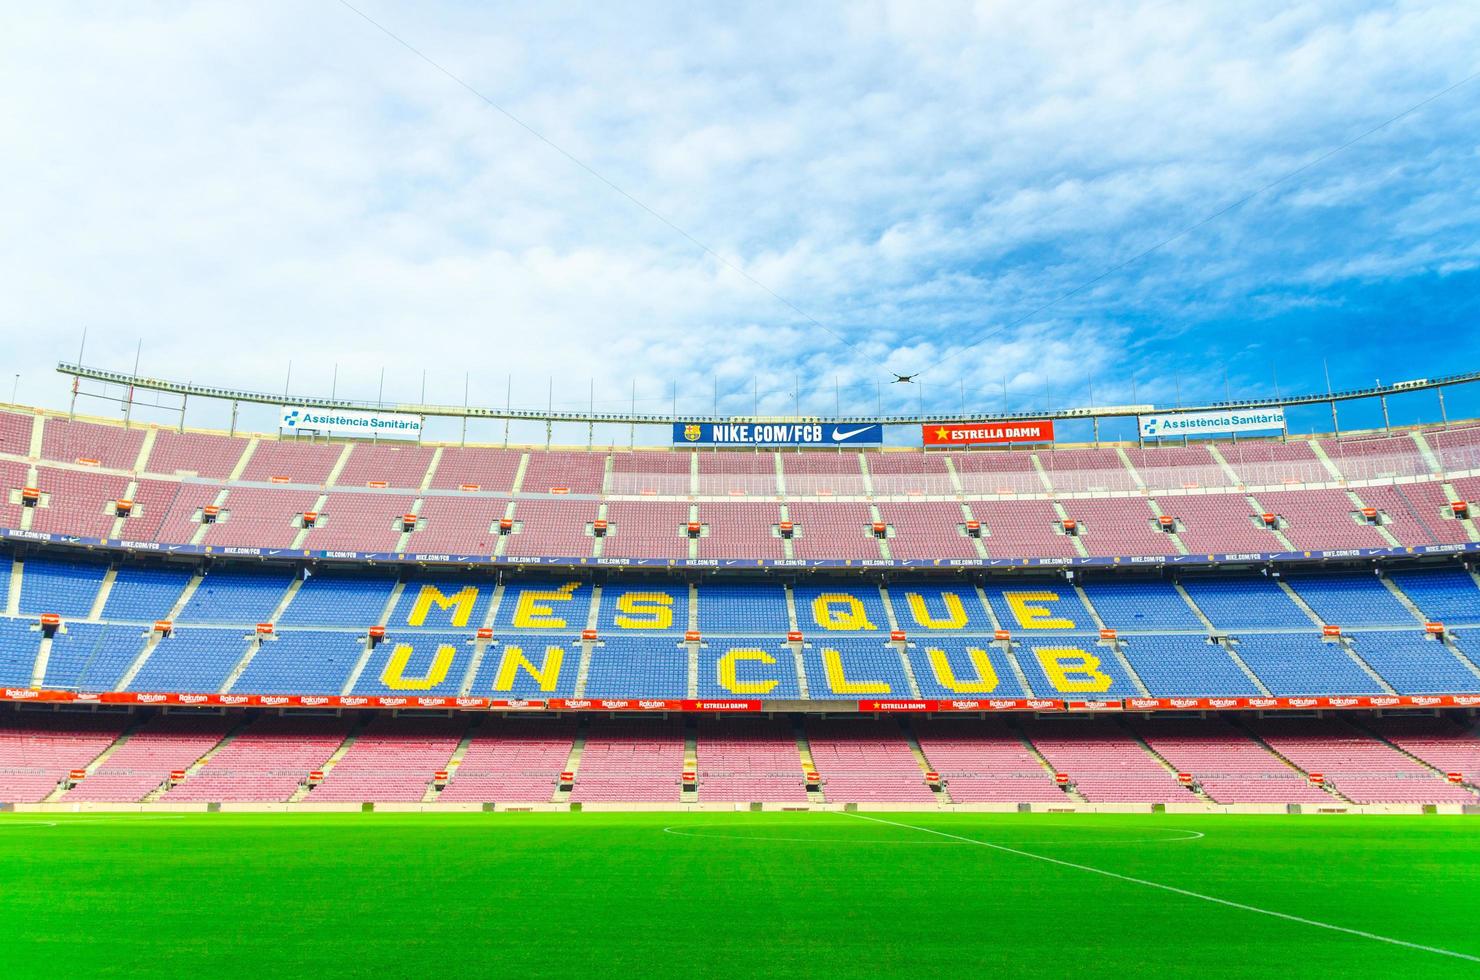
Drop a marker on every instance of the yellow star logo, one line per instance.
(941, 433)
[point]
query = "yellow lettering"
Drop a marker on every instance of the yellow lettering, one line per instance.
(513, 661)
(955, 616)
(394, 675)
(533, 612)
(727, 675)
(832, 663)
(645, 611)
(430, 595)
(840, 611)
(1073, 671)
(986, 674)
(1031, 616)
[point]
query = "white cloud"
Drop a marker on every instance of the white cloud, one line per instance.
(242, 187)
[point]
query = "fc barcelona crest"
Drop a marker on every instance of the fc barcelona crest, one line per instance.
(692, 432)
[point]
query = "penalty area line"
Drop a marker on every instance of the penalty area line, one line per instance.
(1177, 891)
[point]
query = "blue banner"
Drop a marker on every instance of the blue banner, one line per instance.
(814, 434)
(116, 545)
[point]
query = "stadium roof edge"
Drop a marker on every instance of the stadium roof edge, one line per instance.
(536, 415)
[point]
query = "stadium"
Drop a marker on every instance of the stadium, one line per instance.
(821, 678)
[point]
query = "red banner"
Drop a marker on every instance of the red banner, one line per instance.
(721, 706)
(998, 704)
(409, 701)
(614, 704)
(985, 433)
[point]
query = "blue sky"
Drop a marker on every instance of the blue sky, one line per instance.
(244, 187)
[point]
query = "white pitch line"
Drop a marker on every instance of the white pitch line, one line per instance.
(754, 838)
(1179, 891)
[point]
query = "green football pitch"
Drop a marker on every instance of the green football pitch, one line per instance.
(738, 894)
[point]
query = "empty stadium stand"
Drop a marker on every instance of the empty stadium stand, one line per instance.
(205, 618)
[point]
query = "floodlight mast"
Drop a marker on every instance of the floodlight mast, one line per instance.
(465, 411)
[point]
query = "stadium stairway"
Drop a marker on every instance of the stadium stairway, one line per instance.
(1162, 760)
(804, 751)
(1340, 642)
(942, 794)
(433, 791)
(154, 795)
(102, 757)
(1468, 523)
(1402, 598)
(1367, 729)
(1048, 767)
(1328, 788)
(572, 761)
(339, 753)
(690, 760)
(158, 792)
(105, 589)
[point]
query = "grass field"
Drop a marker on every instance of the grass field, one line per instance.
(817, 894)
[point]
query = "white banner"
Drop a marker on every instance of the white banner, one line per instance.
(1178, 424)
(383, 425)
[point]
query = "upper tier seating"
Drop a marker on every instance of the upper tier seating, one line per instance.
(650, 473)
(952, 668)
(1214, 491)
(196, 454)
(749, 474)
(388, 465)
(145, 594)
(1186, 666)
(748, 666)
(909, 474)
(291, 462)
(926, 529)
(1141, 604)
(1291, 664)
(322, 642)
(79, 501)
(483, 469)
(1351, 600)
(64, 587)
(740, 530)
(15, 434)
(100, 445)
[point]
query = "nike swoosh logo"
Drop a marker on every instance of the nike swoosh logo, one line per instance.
(840, 436)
